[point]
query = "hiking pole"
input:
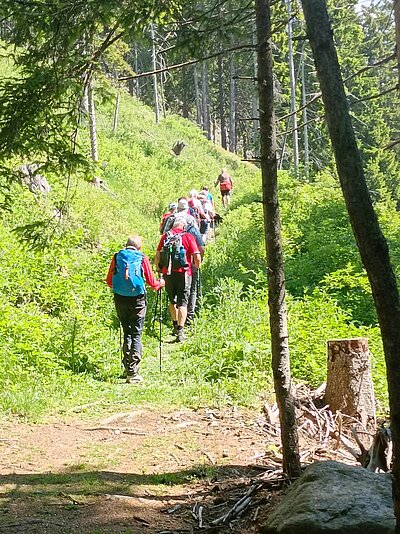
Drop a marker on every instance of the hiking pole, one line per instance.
(160, 331)
(155, 311)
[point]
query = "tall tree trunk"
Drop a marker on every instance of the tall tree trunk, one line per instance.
(305, 114)
(137, 80)
(292, 77)
(232, 115)
(396, 9)
(116, 110)
(185, 100)
(197, 96)
(205, 100)
(370, 240)
(154, 66)
(254, 105)
(221, 98)
(276, 277)
(92, 121)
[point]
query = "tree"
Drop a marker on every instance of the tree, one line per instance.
(276, 277)
(370, 240)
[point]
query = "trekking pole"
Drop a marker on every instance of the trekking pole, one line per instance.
(160, 331)
(155, 311)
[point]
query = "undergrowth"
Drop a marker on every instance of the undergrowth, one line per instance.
(59, 337)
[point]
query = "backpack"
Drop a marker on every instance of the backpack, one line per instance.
(173, 253)
(128, 277)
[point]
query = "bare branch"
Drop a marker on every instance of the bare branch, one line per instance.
(186, 63)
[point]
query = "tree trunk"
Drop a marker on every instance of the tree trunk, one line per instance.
(197, 96)
(292, 78)
(205, 101)
(232, 116)
(92, 121)
(396, 9)
(349, 387)
(137, 80)
(305, 114)
(116, 110)
(254, 103)
(370, 240)
(221, 97)
(276, 278)
(154, 66)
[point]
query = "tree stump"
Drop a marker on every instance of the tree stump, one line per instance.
(349, 387)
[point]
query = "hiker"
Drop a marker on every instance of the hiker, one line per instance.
(193, 294)
(171, 210)
(208, 214)
(176, 251)
(205, 191)
(225, 186)
(195, 204)
(129, 270)
(182, 212)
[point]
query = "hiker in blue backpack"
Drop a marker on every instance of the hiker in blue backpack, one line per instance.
(129, 270)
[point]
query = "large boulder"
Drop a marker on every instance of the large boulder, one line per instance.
(331, 497)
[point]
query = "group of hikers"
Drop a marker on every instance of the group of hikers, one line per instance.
(184, 229)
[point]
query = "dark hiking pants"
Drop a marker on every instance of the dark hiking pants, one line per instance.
(131, 312)
(193, 293)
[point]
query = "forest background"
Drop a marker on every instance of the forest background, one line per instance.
(59, 339)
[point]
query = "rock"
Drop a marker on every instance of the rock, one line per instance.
(36, 182)
(335, 498)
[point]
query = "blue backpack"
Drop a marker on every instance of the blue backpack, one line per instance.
(128, 277)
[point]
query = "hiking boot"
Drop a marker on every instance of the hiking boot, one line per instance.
(174, 331)
(134, 379)
(180, 336)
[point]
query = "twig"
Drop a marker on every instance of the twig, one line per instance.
(241, 505)
(212, 461)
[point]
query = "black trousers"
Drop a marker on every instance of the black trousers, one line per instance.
(131, 312)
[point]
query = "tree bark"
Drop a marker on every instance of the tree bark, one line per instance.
(276, 279)
(205, 101)
(221, 99)
(292, 77)
(232, 115)
(154, 66)
(349, 388)
(396, 9)
(92, 121)
(370, 240)
(116, 111)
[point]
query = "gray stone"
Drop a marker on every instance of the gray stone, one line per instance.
(331, 497)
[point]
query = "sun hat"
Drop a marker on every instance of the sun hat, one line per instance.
(183, 205)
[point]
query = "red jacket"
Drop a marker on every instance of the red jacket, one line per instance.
(189, 242)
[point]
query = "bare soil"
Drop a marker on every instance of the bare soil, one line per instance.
(141, 471)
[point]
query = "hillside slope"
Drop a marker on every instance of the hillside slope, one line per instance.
(59, 338)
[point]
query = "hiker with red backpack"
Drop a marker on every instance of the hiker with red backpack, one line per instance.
(225, 186)
(129, 270)
(176, 252)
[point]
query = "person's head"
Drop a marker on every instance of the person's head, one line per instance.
(193, 193)
(134, 241)
(179, 223)
(183, 204)
(172, 207)
(204, 188)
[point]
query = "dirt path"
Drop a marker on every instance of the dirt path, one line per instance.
(133, 472)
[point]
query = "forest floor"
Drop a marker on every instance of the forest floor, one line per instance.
(142, 471)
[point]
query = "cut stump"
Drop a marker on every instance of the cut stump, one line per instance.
(349, 387)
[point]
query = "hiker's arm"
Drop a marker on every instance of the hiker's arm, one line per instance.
(202, 250)
(197, 260)
(149, 275)
(110, 273)
(157, 261)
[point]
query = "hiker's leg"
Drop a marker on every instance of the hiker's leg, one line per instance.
(123, 311)
(193, 294)
(137, 323)
(173, 311)
(182, 297)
